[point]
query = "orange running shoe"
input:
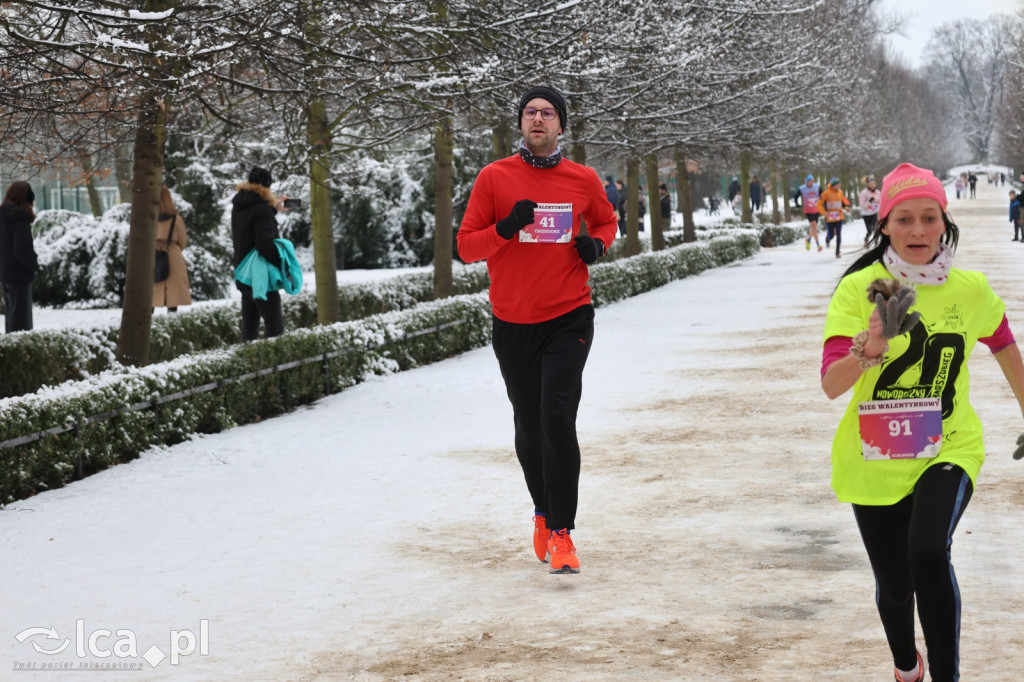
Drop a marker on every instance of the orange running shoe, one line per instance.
(919, 677)
(562, 552)
(540, 537)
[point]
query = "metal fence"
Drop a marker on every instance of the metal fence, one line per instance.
(322, 358)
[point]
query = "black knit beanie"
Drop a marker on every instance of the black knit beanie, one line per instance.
(544, 92)
(260, 176)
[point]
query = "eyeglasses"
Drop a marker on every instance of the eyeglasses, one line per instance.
(529, 113)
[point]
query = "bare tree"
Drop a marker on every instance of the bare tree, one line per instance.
(969, 57)
(151, 54)
(1010, 136)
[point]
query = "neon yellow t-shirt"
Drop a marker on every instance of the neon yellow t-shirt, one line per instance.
(928, 361)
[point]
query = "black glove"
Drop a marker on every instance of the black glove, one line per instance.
(519, 217)
(590, 249)
(1019, 452)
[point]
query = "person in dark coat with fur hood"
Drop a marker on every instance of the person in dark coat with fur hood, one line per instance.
(254, 226)
(18, 262)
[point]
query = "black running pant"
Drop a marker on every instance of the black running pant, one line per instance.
(542, 365)
(834, 230)
(908, 544)
(254, 309)
(870, 223)
(17, 306)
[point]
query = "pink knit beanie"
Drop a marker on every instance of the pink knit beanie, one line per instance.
(907, 181)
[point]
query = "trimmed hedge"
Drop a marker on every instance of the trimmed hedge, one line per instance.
(631, 276)
(137, 418)
(47, 357)
(768, 234)
(57, 434)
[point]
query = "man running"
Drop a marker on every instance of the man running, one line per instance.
(832, 203)
(523, 218)
(807, 195)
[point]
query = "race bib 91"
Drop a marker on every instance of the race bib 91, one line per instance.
(901, 429)
(552, 224)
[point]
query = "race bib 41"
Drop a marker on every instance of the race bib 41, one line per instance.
(552, 224)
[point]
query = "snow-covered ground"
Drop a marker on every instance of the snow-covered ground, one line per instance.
(982, 170)
(384, 532)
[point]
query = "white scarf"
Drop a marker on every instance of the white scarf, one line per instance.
(936, 272)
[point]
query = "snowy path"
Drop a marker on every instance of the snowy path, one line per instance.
(384, 533)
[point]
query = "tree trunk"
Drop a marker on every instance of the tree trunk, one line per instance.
(747, 215)
(147, 179)
(776, 213)
(88, 175)
(632, 205)
(123, 172)
(786, 205)
(443, 174)
(501, 140)
(324, 264)
(654, 204)
(579, 149)
(685, 197)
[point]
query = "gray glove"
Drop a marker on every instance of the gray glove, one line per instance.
(1019, 452)
(893, 311)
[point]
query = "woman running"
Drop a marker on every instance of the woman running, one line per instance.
(909, 447)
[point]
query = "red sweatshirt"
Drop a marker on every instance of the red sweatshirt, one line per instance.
(534, 282)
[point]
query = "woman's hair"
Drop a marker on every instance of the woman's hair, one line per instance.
(21, 195)
(167, 203)
(881, 242)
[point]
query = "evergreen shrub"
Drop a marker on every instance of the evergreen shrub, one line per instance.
(71, 353)
(376, 345)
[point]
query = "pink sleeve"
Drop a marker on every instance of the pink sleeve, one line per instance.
(836, 348)
(1001, 338)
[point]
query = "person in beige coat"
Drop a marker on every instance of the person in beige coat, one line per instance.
(174, 291)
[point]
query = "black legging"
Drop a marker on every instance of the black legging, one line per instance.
(835, 229)
(542, 365)
(870, 223)
(908, 544)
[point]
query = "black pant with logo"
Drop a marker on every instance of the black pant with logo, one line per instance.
(908, 544)
(542, 365)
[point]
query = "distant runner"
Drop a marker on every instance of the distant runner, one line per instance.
(832, 204)
(807, 196)
(869, 199)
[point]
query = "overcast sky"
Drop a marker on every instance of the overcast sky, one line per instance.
(925, 15)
